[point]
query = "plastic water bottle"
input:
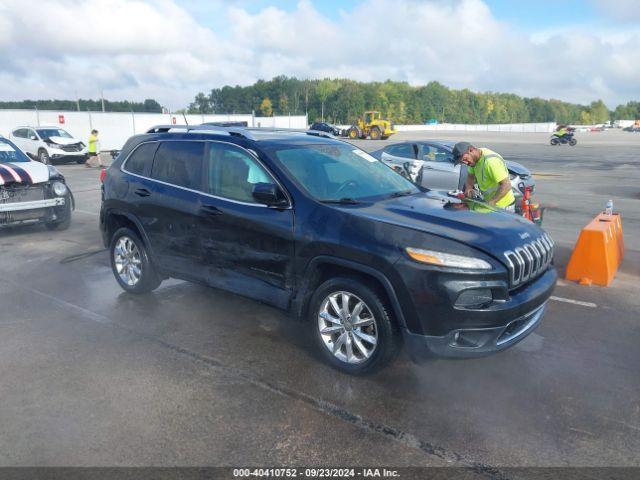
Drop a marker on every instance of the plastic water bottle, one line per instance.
(608, 211)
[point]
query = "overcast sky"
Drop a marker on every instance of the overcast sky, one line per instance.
(573, 50)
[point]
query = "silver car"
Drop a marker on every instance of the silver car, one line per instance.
(431, 165)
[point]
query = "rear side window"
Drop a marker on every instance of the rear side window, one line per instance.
(20, 133)
(141, 159)
(179, 163)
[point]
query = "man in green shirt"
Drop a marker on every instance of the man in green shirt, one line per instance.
(94, 152)
(487, 169)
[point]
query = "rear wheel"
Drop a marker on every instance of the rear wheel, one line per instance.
(130, 263)
(375, 134)
(353, 133)
(352, 326)
(43, 156)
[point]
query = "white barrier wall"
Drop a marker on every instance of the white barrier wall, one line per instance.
(506, 127)
(116, 127)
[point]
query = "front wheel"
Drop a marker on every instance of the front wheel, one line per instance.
(353, 327)
(43, 156)
(375, 134)
(353, 133)
(63, 222)
(130, 263)
(573, 142)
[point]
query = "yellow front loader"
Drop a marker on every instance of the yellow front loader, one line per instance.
(371, 125)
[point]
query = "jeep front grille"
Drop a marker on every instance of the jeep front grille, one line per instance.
(530, 260)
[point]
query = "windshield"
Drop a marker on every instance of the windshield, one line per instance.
(10, 153)
(332, 172)
(46, 133)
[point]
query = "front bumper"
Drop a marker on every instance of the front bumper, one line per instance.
(478, 342)
(36, 204)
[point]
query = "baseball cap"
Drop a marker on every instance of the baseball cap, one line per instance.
(459, 149)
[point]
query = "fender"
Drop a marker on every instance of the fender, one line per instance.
(303, 295)
(134, 220)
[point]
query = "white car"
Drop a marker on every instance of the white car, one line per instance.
(49, 144)
(31, 192)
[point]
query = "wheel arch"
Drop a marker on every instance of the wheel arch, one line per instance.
(323, 267)
(115, 219)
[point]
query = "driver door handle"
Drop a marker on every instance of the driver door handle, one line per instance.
(210, 210)
(142, 192)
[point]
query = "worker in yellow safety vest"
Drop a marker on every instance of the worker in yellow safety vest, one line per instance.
(93, 150)
(487, 169)
(561, 131)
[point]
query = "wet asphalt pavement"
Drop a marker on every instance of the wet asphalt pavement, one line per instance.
(187, 375)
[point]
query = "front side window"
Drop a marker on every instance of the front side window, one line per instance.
(31, 135)
(179, 163)
(47, 133)
(232, 173)
(405, 150)
(141, 159)
(332, 172)
(431, 153)
(10, 153)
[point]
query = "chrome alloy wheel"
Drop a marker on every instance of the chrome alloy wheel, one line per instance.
(126, 258)
(347, 327)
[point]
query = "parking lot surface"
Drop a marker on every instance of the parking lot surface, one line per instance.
(188, 375)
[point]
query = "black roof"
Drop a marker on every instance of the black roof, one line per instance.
(252, 134)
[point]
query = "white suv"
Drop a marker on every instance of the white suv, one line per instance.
(49, 144)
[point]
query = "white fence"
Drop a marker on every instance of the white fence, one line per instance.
(116, 127)
(500, 127)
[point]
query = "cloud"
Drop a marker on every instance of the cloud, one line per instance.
(135, 49)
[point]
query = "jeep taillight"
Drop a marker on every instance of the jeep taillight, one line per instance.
(103, 175)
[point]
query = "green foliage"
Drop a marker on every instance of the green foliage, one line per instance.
(342, 101)
(266, 108)
(149, 105)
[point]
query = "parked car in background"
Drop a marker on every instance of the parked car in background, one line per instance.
(31, 192)
(49, 144)
(325, 127)
(431, 165)
(317, 227)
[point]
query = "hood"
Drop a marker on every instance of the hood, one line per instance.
(517, 168)
(23, 172)
(64, 140)
(473, 223)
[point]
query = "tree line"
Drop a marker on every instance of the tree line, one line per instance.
(149, 105)
(342, 100)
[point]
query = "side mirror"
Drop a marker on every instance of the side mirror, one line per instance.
(33, 137)
(269, 194)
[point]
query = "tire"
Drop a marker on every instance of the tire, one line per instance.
(375, 133)
(66, 221)
(81, 160)
(554, 141)
(133, 254)
(366, 357)
(43, 157)
(353, 133)
(573, 142)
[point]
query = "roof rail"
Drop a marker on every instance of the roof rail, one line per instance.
(245, 132)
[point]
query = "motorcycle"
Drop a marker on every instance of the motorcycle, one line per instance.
(567, 138)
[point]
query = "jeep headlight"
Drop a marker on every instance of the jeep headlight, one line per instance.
(442, 259)
(59, 188)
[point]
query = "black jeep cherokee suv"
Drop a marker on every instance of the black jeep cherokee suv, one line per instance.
(319, 228)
